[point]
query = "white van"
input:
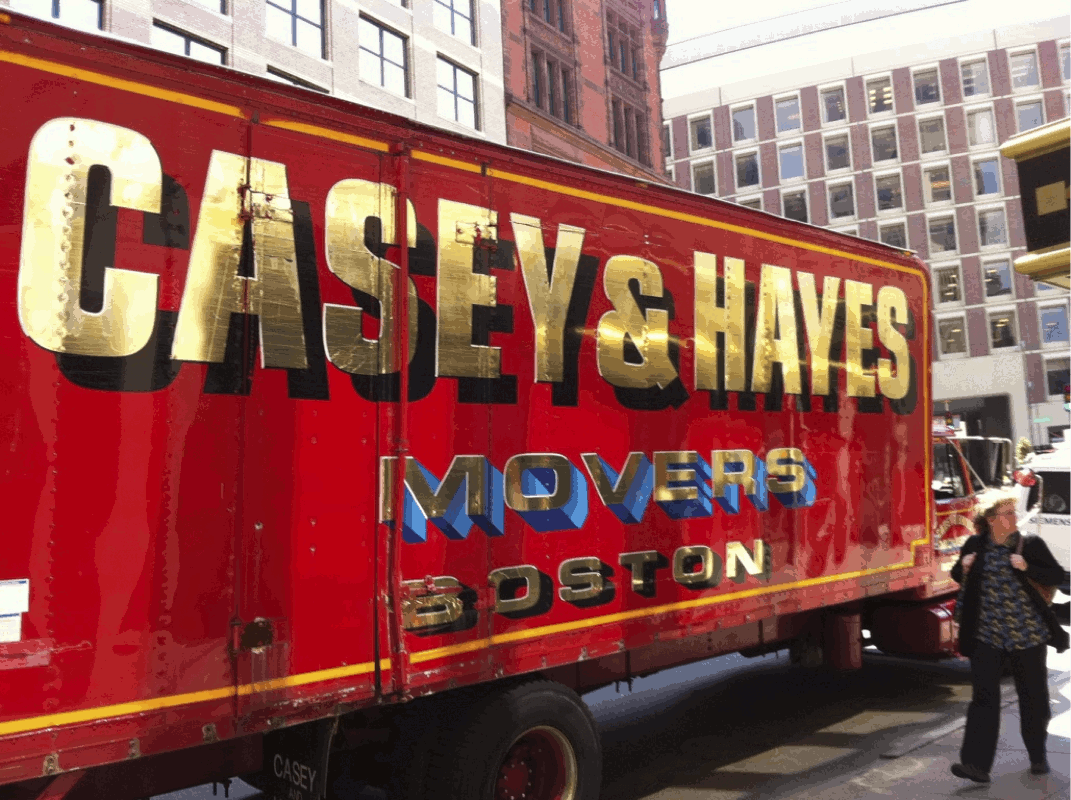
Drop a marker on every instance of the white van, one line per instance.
(1051, 518)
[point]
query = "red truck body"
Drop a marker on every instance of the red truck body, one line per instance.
(640, 427)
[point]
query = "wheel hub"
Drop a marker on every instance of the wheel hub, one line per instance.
(540, 765)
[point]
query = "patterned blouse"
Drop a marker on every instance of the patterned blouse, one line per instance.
(1007, 619)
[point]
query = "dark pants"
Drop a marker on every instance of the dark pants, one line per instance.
(983, 715)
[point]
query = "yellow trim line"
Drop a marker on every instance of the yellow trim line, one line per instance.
(171, 701)
(637, 613)
(121, 84)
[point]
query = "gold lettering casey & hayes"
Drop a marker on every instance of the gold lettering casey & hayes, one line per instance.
(792, 325)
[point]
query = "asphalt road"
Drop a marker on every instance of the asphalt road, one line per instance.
(732, 727)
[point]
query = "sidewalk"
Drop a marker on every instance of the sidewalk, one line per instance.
(919, 770)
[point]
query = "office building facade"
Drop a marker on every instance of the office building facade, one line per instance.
(902, 146)
(438, 62)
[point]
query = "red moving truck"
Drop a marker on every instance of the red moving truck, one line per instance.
(328, 434)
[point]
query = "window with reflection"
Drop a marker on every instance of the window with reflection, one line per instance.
(790, 161)
(298, 23)
(948, 286)
(997, 277)
(980, 128)
(1057, 375)
(833, 108)
(1053, 324)
(883, 142)
(894, 235)
(942, 234)
(992, 229)
(787, 111)
(703, 178)
(1002, 329)
(936, 185)
(927, 87)
(1030, 115)
(455, 17)
(747, 170)
(841, 201)
(952, 333)
(182, 44)
(754, 203)
(744, 124)
(795, 205)
(890, 195)
(948, 481)
(456, 93)
(975, 76)
(879, 95)
(700, 132)
(837, 153)
(932, 135)
(383, 58)
(1024, 70)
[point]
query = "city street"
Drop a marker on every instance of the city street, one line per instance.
(732, 728)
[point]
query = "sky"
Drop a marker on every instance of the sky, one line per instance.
(697, 25)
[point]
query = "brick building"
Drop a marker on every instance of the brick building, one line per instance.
(902, 146)
(582, 83)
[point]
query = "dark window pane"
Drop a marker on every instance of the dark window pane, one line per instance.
(744, 124)
(942, 235)
(927, 89)
(837, 153)
(889, 193)
(1002, 329)
(796, 206)
(1058, 374)
(894, 235)
(842, 201)
(932, 135)
(833, 105)
(747, 170)
(701, 133)
(703, 179)
(952, 336)
(998, 279)
(884, 142)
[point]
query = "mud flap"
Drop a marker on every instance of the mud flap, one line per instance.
(295, 761)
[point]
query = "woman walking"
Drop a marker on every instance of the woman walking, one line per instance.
(1003, 619)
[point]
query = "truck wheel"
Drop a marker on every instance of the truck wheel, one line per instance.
(533, 741)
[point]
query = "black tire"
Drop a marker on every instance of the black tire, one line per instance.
(470, 751)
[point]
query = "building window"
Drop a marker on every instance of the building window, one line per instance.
(754, 203)
(383, 57)
(790, 160)
(744, 124)
(747, 170)
(927, 87)
(1002, 329)
(879, 95)
(837, 153)
(841, 201)
(667, 142)
(1057, 375)
(703, 178)
(980, 128)
(623, 41)
(1024, 70)
(833, 109)
(83, 15)
(539, 72)
(283, 77)
(795, 205)
(455, 17)
(942, 235)
(552, 12)
(457, 93)
(890, 194)
(996, 275)
(657, 10)
(986, 177)
(948, 284)
(883, 142)
(1053, 324)
(181, 44)
(1030, 115)
(894, 235)
(932, 135)
(992, 230)
(219, 6)
(568, 93)
(952, 335)
(1065, 62)
(788, 114)
(700, 130)
(936, 185)
(298, 23)
(629, 130)
(975, 78)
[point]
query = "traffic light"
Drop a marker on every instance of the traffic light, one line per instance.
(948, 419)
